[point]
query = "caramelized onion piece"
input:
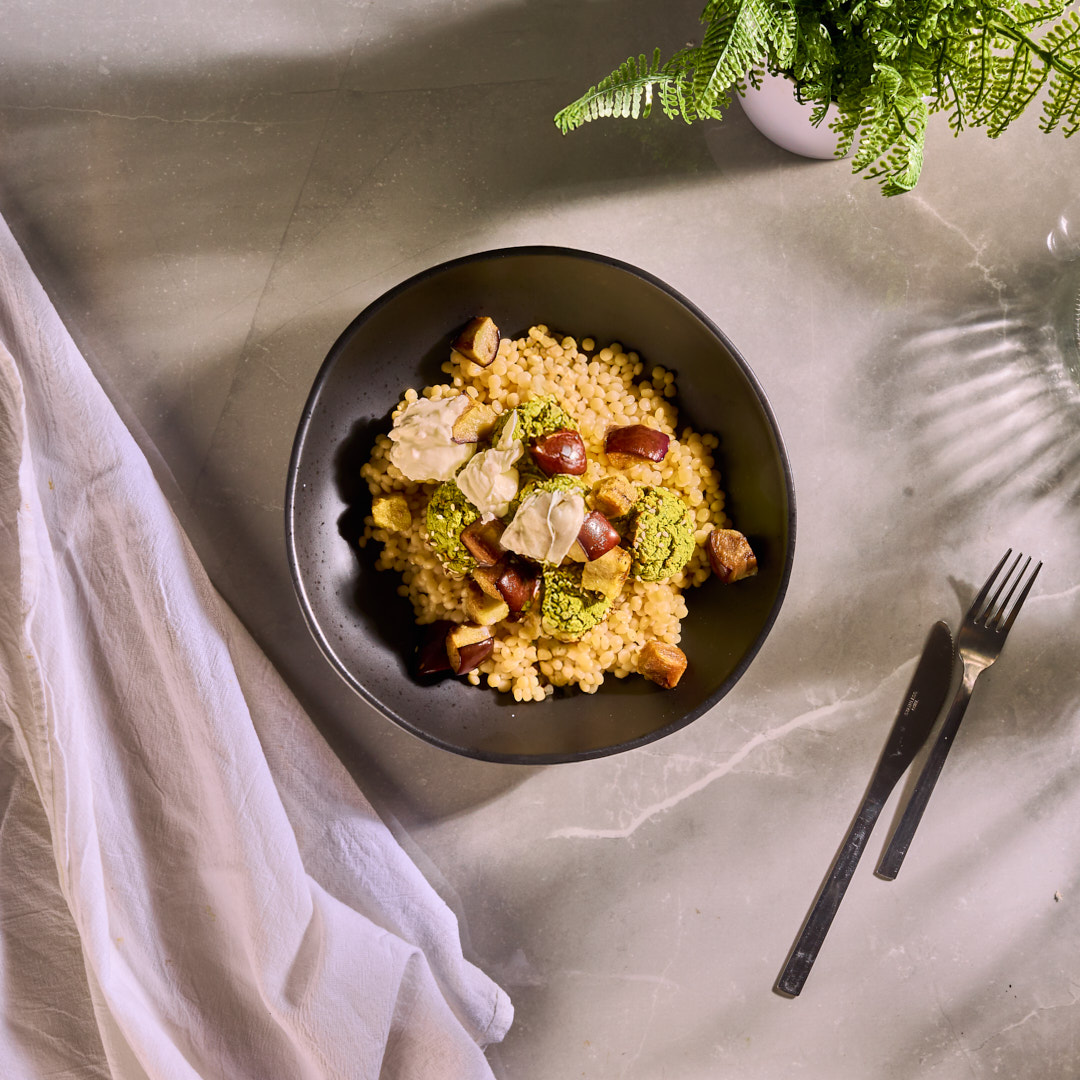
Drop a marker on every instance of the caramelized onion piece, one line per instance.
(635, 442)
(561, 451)
(597, 537)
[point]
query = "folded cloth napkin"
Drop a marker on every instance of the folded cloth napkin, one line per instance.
(190, 883)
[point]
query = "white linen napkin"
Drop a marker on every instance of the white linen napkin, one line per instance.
(191, 886)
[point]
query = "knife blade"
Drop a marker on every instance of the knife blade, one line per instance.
(920, 708)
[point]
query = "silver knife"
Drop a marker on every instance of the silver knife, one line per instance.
(922, 704)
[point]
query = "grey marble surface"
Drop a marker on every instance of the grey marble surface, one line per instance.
(211, 193)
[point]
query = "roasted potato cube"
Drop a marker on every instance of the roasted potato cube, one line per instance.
(479, 340)
(730, 555)
(482, 540)
(576, 553)
(474, 423)
(483, 609)
(468, 646)
(661, 663)
(613, 496)
(391, 512)
(608, 574)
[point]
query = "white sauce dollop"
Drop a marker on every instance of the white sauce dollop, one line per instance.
(490, 480)
(546, 525)
(424, 447)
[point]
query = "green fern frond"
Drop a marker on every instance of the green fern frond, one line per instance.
(1032, 16)
(626, 92)
(739, 36)
(906, 159)
(731, 45)
(1061, 109)
(886, 65)
(1020, 84)
(675, 99)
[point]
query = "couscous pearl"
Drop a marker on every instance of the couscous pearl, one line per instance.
(599, 392)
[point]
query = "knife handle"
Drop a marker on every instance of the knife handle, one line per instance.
(828, 902)
(893, 859)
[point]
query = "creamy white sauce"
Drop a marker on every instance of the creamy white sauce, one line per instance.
(490, 480)
(424, 447)
(506, 437)
(546, 525)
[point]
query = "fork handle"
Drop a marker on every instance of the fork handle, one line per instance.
(893, 859)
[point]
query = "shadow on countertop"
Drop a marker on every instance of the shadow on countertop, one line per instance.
(301, 173)
(997, 401)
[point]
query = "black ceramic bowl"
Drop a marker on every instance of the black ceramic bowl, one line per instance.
(366, 630)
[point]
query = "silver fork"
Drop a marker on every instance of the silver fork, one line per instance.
(982, 635)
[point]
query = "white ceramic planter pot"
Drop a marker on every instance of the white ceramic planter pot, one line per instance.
(779, 116)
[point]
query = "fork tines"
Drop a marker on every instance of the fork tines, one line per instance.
(980, 641)
(992, 614)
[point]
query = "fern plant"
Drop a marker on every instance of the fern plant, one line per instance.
(887, 66)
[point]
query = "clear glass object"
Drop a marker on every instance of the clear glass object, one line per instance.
(1063, 242)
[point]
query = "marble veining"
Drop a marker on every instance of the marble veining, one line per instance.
(815, 719)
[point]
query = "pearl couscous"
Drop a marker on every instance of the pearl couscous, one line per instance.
(599, 389)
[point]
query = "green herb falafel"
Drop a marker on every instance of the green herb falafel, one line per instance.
(567, 608)
(448, 513)
(660, 533)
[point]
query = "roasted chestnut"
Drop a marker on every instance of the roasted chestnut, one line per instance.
(474, 423)
(730, 555)
(634, 443)
(561, 451)
(468, 646)
(608, 574)
(486, 577)
(518, 585)
(432, 658)
(479, 340)
(482, 608)
(514, 581)
(482, 540)
(391, 512)
(597, 537)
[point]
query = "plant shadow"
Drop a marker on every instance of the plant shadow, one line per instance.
(998, 400)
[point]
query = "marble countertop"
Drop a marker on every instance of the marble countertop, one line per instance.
(211, 194)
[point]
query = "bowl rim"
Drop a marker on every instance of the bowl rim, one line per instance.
(322, 376)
